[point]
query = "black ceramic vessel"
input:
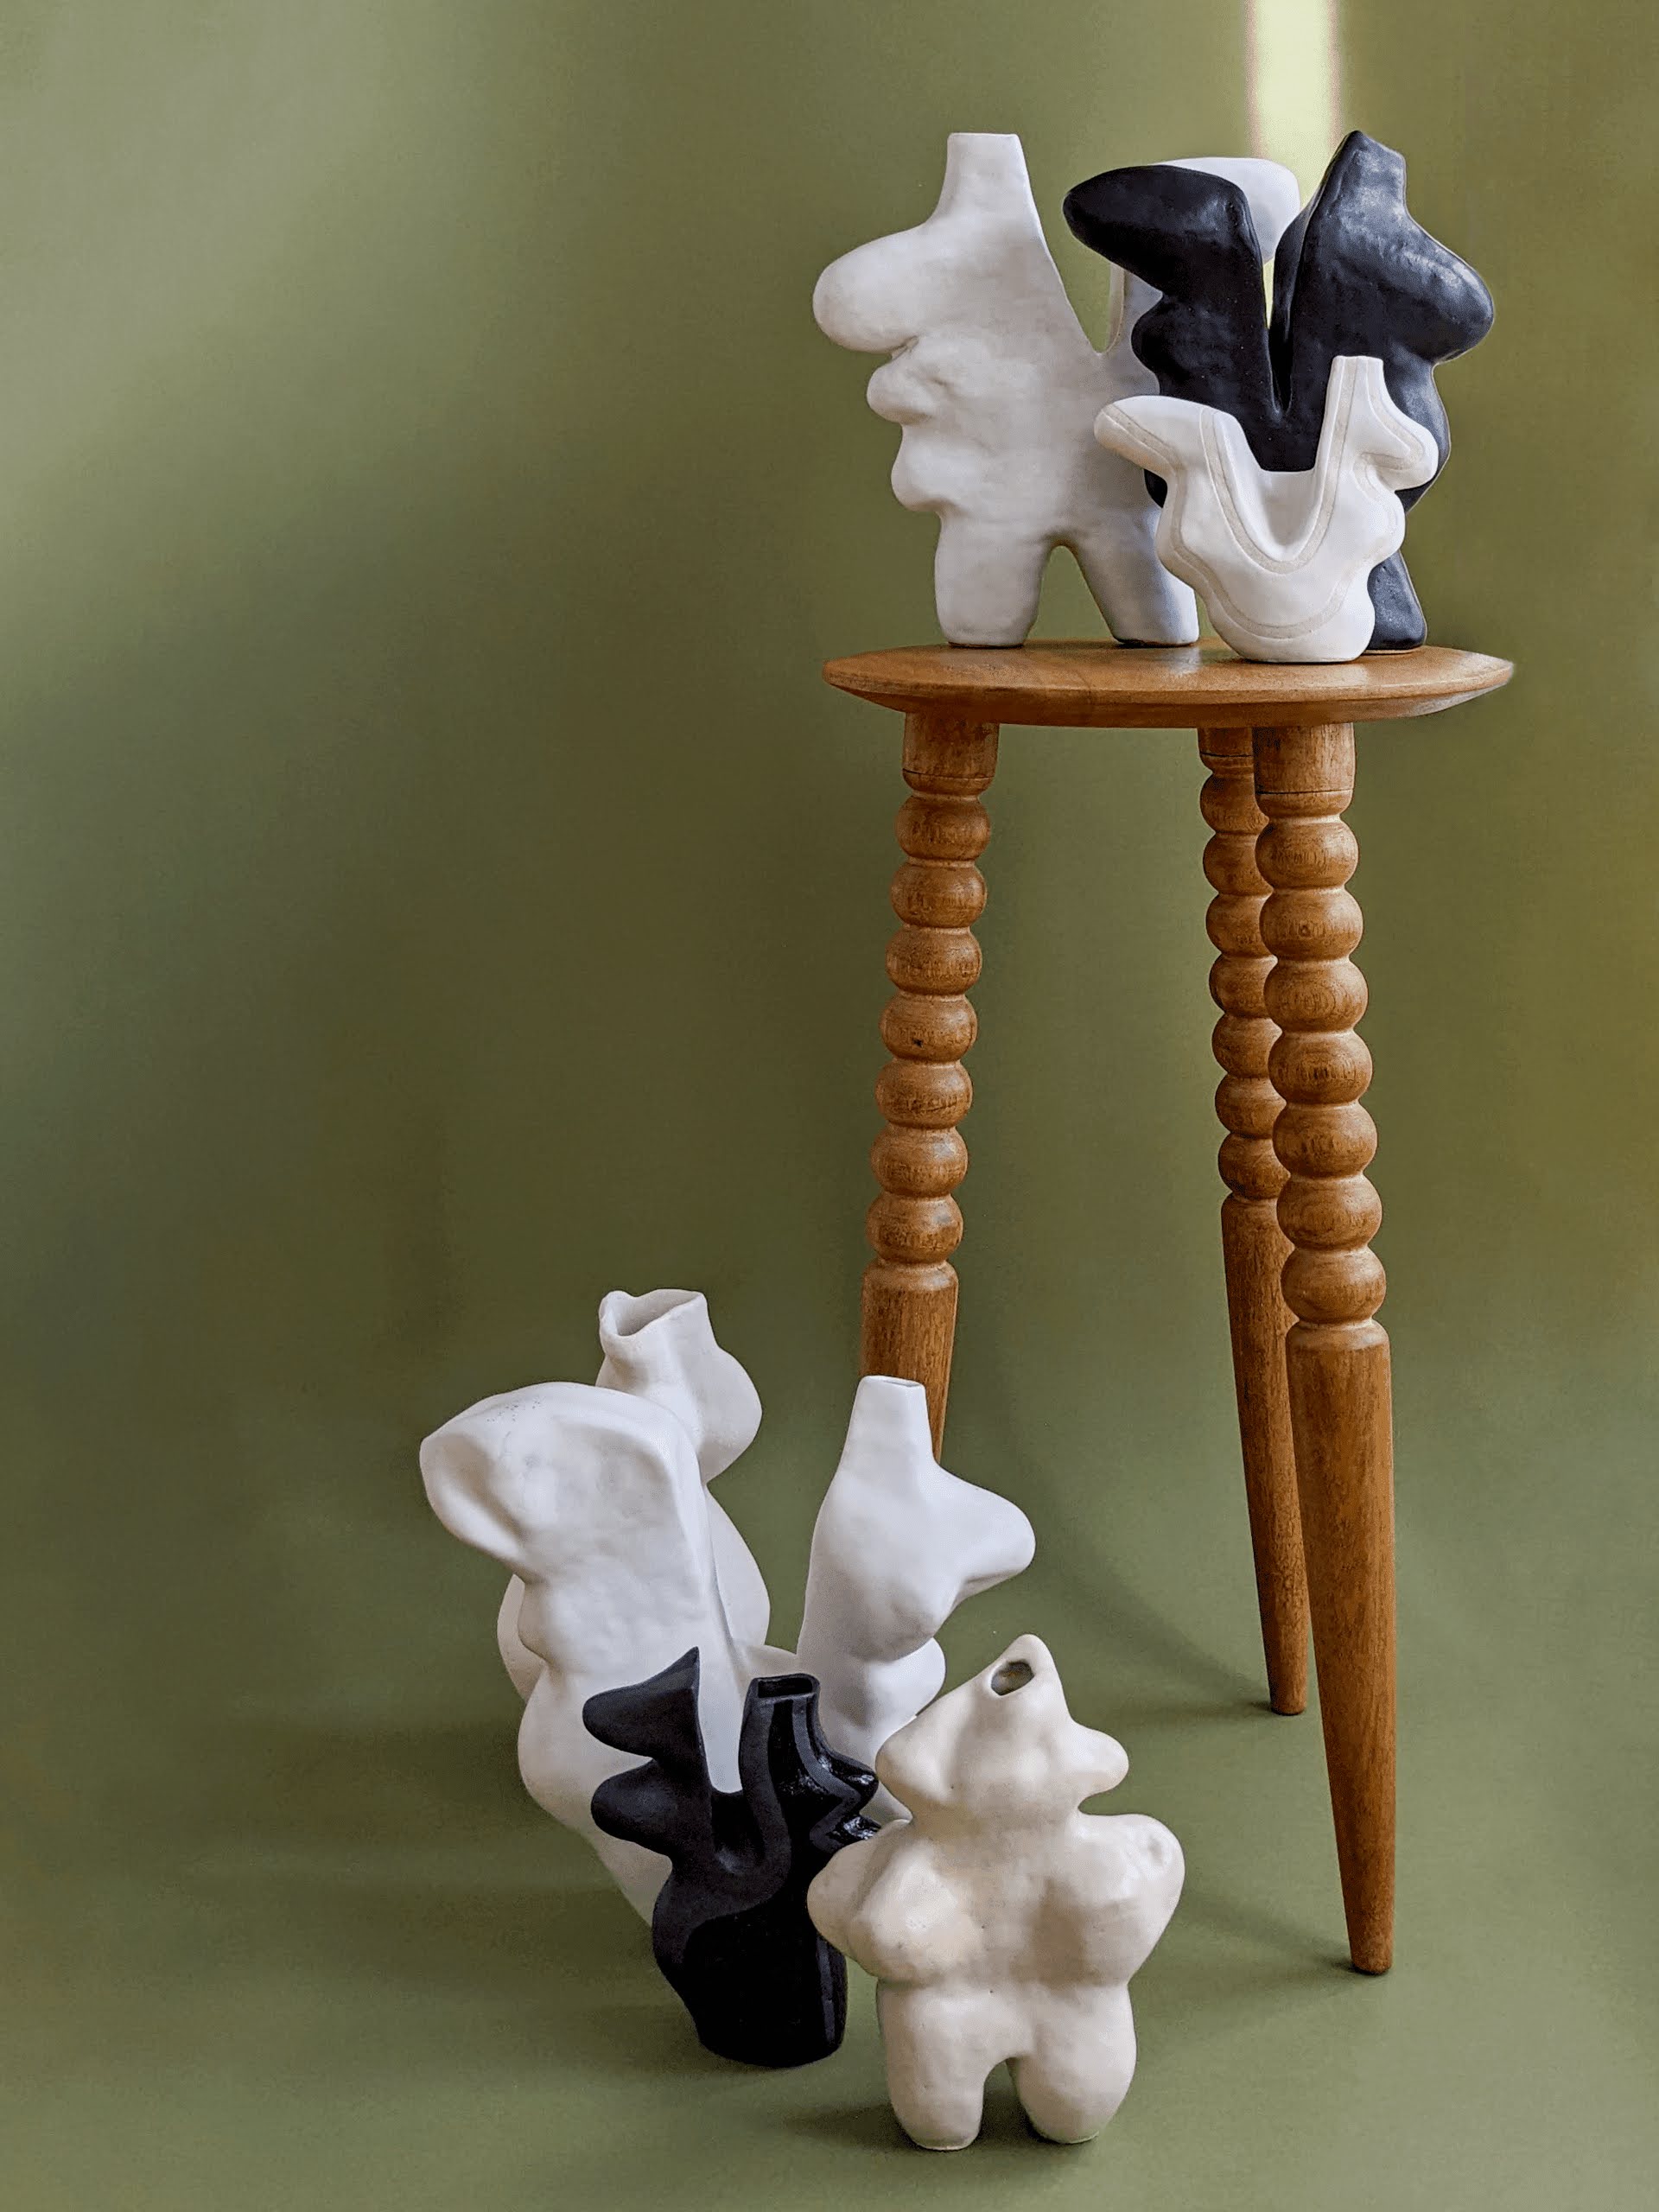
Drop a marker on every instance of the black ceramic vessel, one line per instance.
(1354, 273)
(730, 1929)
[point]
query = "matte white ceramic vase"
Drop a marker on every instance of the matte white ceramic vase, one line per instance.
(1281, 559)
(595, 1498)
(898, 1545)
(997, 386)
(660, 1346)
(1000, 1921)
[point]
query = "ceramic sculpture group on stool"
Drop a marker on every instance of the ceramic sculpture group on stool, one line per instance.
(773, 1813)
(1280, 454)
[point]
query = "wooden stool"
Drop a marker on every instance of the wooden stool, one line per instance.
(1313, 1390)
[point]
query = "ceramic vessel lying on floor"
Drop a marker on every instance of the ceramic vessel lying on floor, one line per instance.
(1355, 277)
(730, 1929)
(997, 387)
(1001, 1923)
(595, 1498)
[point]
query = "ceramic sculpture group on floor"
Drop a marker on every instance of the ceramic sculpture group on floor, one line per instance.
(726, 1784)
(596, 1497)
(1281, 449)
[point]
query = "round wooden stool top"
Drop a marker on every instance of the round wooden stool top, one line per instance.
(1091, 684)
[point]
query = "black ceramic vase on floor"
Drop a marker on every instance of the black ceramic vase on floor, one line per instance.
(730, 1929)
(1354, 273)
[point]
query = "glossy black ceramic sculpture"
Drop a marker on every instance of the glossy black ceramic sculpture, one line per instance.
(1354, 273)
(730, 1929)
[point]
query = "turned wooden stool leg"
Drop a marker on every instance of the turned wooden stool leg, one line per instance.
(1253, 1245)
(1338, 1351)
(910, 1287)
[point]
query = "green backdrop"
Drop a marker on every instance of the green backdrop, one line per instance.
(438, 888)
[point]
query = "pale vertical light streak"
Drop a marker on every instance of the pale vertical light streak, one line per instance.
(1293, 69)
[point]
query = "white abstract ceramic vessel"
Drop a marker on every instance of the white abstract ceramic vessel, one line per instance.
(997, 386)
(595, 1502)
(898, 1544)
(1000, 1921)
(1282, 560)
(661, 1346)
(595, 1498)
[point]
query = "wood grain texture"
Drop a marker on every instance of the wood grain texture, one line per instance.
(915, 1223)
(1254, 1246)
(1338, 1361)
(1094, 684)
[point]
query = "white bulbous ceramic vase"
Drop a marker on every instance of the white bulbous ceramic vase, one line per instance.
(1003, 1924)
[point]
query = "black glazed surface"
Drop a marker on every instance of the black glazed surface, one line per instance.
(1354, 273)
(730, 1930)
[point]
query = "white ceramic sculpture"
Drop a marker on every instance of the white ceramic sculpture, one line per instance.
(661, 1346)
(1282, 560)
(898, 1545)
(595, 1498)
(997, 388)
(1000, 1921)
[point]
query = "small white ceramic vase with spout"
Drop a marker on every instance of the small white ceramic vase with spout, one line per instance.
(1002, 1925)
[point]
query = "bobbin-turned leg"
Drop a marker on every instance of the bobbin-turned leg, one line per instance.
(1338, 1351)
(910, 1287)
(1253, 1245)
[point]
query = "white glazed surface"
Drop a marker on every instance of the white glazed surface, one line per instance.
(1000, 1921)
(596, 1497)
(997, 386)
(1281, 559)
